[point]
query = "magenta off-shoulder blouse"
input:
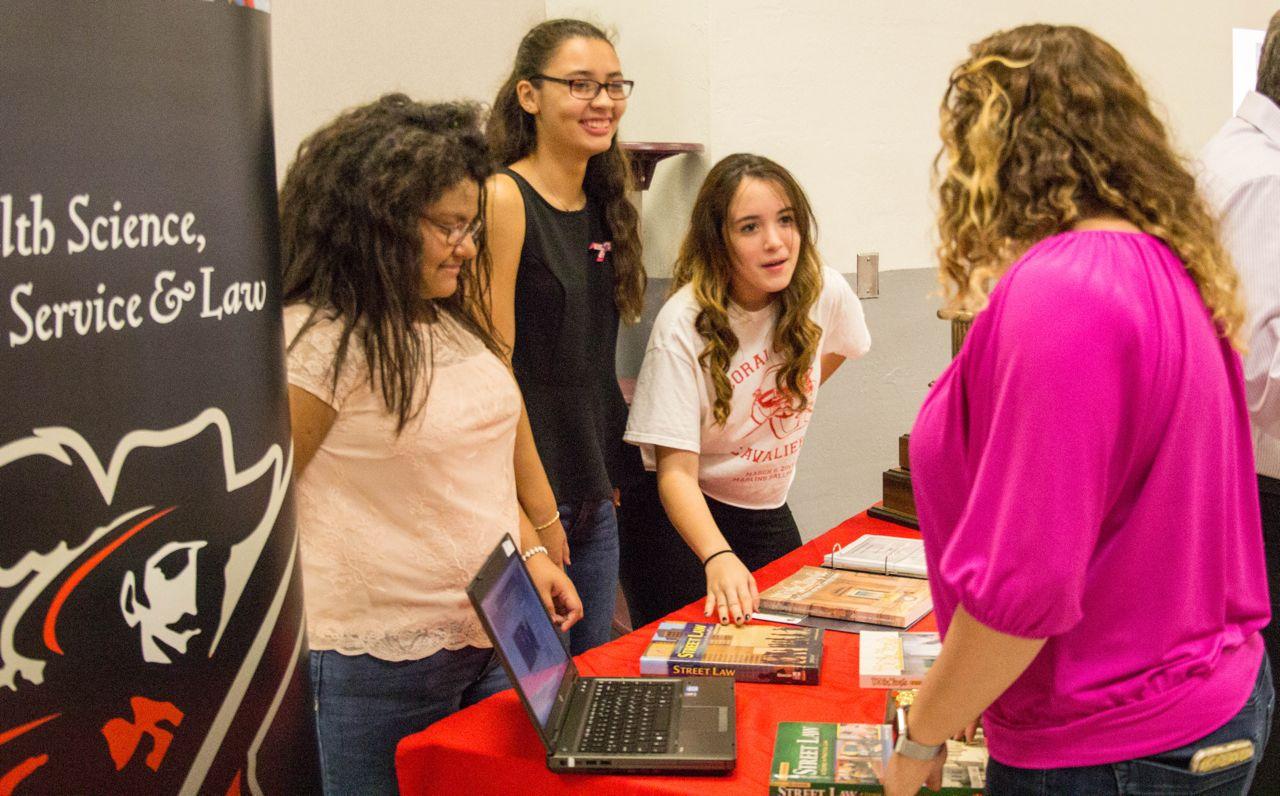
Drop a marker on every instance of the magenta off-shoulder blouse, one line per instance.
(1083, 473)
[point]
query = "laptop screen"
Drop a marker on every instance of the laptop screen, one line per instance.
(527, 638)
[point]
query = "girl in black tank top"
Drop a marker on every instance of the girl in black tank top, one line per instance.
(566, 268)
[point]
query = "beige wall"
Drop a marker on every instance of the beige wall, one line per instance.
(845, 94)
(842, 92)
(328, 55)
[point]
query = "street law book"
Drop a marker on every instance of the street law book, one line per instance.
(885, 555)
(749, 653)
(811, 758)
(857, 596)
(827, 759)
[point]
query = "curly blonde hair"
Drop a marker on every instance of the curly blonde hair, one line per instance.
(1044, 126)
(704, 262)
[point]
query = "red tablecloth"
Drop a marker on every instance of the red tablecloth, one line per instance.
(492, 747)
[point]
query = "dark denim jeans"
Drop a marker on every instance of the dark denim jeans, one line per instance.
(365, 705)
(1165, 774)
(1266, 780)
(591, 527)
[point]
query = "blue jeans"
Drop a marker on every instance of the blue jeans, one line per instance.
(1166, 774)
(591, 526)
(365, 705)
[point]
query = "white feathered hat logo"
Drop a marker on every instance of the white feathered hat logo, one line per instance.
(36, 571)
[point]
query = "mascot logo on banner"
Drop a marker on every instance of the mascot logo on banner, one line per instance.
(157, 605)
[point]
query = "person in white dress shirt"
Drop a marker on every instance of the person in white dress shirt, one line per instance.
(1241, 179)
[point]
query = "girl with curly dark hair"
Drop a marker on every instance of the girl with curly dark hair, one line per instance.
(727, 389)
(566, 268)
(404, 423)
(1083, 470)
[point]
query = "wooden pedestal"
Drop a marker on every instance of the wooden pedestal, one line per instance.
(899, 503)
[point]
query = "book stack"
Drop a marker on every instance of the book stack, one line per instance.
(749, 654)
(853, 596)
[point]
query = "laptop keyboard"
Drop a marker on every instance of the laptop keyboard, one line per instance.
(629, 717)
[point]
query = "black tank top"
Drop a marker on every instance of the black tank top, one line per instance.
(566, 341)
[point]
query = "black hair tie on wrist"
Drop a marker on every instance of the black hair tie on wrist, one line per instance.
(707, 560)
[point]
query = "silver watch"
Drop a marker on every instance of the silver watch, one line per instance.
(916, 751)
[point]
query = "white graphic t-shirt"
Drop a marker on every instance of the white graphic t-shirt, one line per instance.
(749, 462)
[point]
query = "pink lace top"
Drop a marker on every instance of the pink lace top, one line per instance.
(393, 527)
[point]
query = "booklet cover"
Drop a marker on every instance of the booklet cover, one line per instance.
(811, 758)
(966, 768)
(886, 555)
(857, 596)
(887, 659)
(749, 654)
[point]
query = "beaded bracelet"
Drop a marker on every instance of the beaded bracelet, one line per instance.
(533, 551)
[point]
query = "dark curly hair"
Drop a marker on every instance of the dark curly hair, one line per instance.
(512, 136)
(351, 240)
(1043, 126)
(704, 261)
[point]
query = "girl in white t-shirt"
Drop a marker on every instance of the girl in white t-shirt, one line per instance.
(726, 391)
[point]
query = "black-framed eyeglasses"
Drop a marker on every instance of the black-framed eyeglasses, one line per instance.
(584, 88)
(453, 235)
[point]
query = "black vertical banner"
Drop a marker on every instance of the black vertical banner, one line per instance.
(151, 624)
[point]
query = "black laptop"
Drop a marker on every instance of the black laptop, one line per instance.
(593, 724)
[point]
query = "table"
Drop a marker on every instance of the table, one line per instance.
(492, 747)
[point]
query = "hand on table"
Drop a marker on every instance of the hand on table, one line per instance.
(556, 590)
(905, 775)
(731, 590)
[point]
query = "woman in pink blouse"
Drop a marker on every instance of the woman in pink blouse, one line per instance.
(1083, 469)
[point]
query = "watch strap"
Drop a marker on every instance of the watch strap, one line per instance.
(916, 751)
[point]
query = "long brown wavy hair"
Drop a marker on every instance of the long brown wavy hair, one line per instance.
(513, 135)
(351, 236)
(704, 263)
(1044, 126)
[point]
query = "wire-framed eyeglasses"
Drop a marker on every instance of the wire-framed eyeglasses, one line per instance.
(584, 88)
(454, 234)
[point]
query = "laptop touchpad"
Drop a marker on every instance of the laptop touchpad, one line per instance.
(704, 719)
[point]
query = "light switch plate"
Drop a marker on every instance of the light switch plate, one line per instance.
(868, 275)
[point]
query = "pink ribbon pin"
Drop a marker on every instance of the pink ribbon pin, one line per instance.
(601, 249)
